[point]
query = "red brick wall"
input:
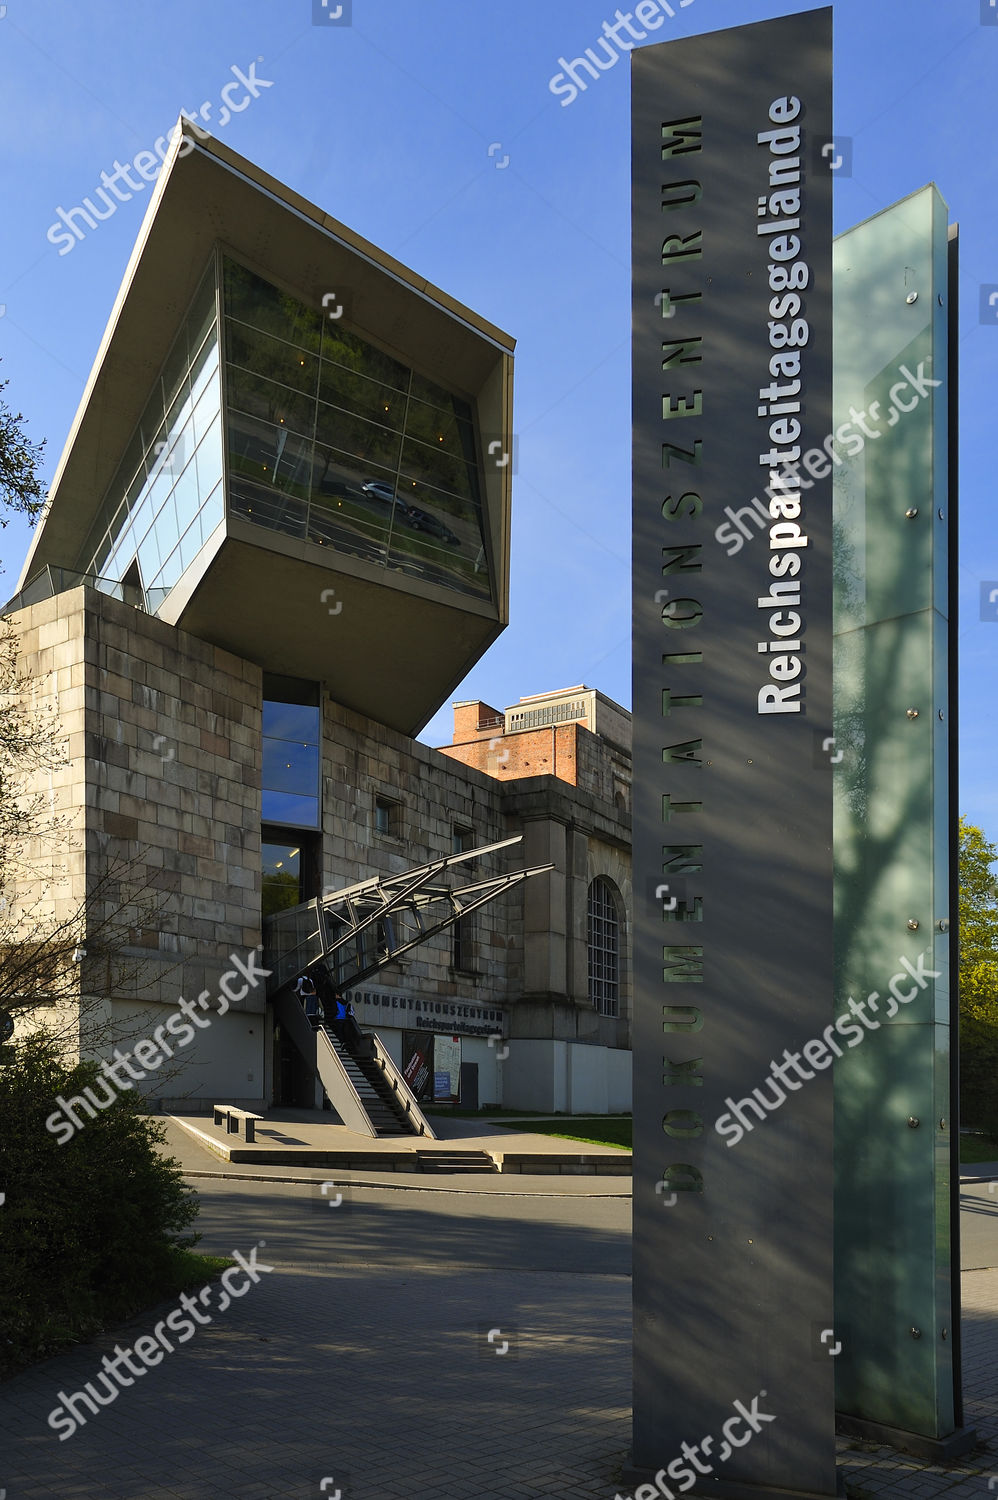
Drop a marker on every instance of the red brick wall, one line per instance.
(549, 751)
(469, 719)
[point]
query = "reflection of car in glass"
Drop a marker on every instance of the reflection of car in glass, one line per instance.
(379, 491)
(421, 520)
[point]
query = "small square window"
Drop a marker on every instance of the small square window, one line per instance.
(388, 817)
(464, 838)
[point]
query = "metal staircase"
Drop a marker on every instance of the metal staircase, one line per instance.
(363, 1085)
(353, 933)
(385, 1110)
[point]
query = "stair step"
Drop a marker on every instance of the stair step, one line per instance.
(384, 1109)
(455, 1161)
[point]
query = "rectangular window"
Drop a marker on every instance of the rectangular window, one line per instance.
(281, 871)
(388, 817)
(604, 950)
(291, 752)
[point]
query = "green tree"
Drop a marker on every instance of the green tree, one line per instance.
(20, 485)
(978, 918)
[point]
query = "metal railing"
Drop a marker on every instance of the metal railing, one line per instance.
(51, 581)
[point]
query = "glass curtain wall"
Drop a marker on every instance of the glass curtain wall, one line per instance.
(334, 441)
(166, 498)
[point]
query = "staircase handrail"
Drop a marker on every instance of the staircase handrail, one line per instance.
(360, 1120)
(396, 1078)
(348, 1103)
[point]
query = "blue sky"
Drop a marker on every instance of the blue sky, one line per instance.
(430, 128)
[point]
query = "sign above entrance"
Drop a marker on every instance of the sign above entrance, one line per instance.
(455, 1017)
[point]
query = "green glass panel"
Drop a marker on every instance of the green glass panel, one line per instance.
(894, 1310)
(266, 399)
(369, 398)
(342, 347)
(273, 358)
(252, 300)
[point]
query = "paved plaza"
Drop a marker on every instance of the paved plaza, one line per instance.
(469, 1338)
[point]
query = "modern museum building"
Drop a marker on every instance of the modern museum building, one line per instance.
(277, 542)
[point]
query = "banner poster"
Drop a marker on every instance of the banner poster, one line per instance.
(447, 1069)
(417, 1061)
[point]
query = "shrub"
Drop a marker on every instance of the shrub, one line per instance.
(90, 1231)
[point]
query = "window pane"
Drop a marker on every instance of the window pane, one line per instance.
(185, 496)
(283, 807)
(165, 527)
(255, 301)
(150, 561)
(211, 514)
(171, 570)
(603, 949)
(364, 441)
(290, 721)
(269, 454)
(267, 507)
(439, 468)
(174, 375)
(441, 430)
(422, 389)
(289, 766)
(277, 361)
(272, 402)
(190, 546)
(334, 523)
(102, 554)
(206, 412)
(354, 353)
(281, 884)
(355, 393)
(202, 314)
(204, 372)
(438, 537)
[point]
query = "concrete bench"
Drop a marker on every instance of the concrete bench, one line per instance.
(229, 1116)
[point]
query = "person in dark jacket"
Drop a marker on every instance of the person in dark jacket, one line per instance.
(345, 1022)
(306, 992)
(326, 991)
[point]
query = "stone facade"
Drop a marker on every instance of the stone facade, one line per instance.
(363, 761)
(164, 739)
(163, 783)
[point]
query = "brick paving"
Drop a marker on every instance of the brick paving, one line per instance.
(383, 1384)
(378, 1380)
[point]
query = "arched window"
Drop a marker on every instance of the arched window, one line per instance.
(604, 949)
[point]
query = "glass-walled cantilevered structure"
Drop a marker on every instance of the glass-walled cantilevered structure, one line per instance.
(319, 486)
(333, 440)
